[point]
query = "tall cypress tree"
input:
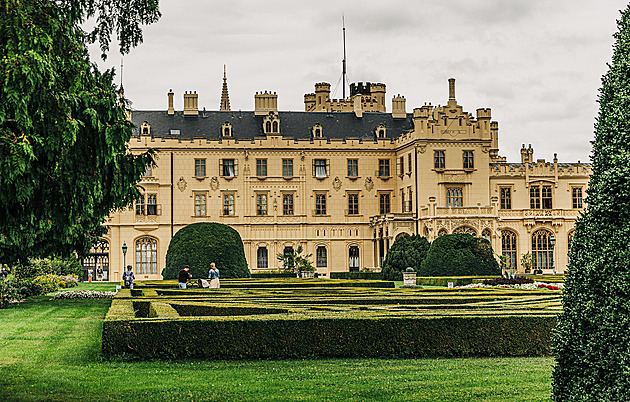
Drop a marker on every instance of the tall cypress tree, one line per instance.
(592, 341)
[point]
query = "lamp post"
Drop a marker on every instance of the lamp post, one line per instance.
(552, 243)
(124, 249)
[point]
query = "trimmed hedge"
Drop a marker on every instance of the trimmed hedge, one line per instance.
(459, 255)
(457, 280)
(200, 244)
(407, 251)
(267, 275)
(356, 275)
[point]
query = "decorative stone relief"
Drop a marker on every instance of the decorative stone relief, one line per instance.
(181, 184)
(214, 183)
(336, 183)
(369, 184)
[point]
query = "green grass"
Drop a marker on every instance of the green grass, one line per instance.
(50, 351)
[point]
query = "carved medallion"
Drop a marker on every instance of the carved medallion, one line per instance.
(181, 184)
(337, 183)
(369, 184)
(214, 183)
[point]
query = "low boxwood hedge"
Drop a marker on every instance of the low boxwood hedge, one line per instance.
(376, 276)
(457, 280)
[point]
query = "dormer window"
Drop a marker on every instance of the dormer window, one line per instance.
(275, 126)
(381, 131)
(145, 128)
(271, 124)
(317, 130)
(226, 129)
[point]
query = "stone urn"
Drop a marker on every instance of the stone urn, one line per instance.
(409, 277)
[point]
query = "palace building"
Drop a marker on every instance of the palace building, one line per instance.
(343, 179)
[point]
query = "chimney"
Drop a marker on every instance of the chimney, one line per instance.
(264, 103)
(399, 108)
(190, 104)
(451, 89)
(171, 110)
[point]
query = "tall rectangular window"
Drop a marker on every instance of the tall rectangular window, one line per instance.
(410, 202)
(576, 195)
(287, 204)
(534, 197)
(506, 198)
(261, 204)
(228, 204)
(287, 168)
(454, 197)
(383, 168)
(384, 203)
(353, 167)
(200, 204)
(140, 205)
(148, 172)
(261, 167)
(319, 168)
(438, 160)
(151, 204)
(409, 167)
(401, 166)
(200, 167)
(353, 204)
(228, 168)
(546, 197)
(320, 204)
(540, 197)
(469, 160)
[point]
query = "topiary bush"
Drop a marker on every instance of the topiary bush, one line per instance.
(199, 244)
(53, 265)
(459, 255)
(407, 251)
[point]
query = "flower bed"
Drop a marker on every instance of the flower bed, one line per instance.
(84, 294)
(529, 286)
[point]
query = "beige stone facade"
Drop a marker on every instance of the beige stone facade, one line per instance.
(343, 179)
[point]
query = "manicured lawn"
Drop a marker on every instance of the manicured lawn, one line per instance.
(50, 350)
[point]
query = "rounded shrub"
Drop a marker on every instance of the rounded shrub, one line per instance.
(199, 244)
(459, 255)
(406, 252)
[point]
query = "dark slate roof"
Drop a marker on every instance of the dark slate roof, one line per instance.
(245, 125)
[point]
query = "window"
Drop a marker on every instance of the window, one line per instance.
(287, 167)
(288, 258)
(576, 195)
(469, 161)
(410, 202)
(275, 126)
(320, 204)
(542, 252)
(486, 234)
(353, 204)
(383, 168)
(402, 200)
(442, 232)
(261, 167)
(506, 198)
(146, 255)
(262, 260)
(228, 168)
(200, 167)
(321, 257)
(353, 258)
(465, 230)
(228, 204)
(261, 204)
(353, 167)
(438, 160)
(319, 168)
(401, 166)
(151, 204)
(140, 205)
(268, 127)
(540, 197)
(148, 171)
(384, 201)
(454, 197)
(409, 167)
(287, 204)
(508, 248)
(200, 204)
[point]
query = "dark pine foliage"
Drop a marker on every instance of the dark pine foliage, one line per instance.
(459, 255)
(407, 251)
(592, 341)
(200, 244)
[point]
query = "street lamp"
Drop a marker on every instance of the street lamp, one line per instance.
(552, 243)
(124, 249)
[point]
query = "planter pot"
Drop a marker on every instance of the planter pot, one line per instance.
(409, 278)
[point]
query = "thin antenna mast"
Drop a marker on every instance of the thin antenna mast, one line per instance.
(121, 71)
(343, 81)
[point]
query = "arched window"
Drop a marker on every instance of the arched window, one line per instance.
(146, 255)
(542, 252)
(486, 234)
(508, 248)
(275, 126)
(442, 232)
(226, 132)
(289, 258)
(97, 260)
(353, 258)
(262, 261)
(321, 257)
(466, 230)
(268, 127)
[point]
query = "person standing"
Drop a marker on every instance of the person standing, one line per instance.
(213, 275)
(184, 276)
(128, 277)
(90, 274)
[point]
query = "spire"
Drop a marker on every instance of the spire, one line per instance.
(225, 97)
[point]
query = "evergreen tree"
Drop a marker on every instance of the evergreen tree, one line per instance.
(460, 255)
(64, 161)
(407, 251)
(592, 340)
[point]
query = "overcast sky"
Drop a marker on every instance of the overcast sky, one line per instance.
(536, 63)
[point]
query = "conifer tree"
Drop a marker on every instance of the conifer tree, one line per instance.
(592, 340)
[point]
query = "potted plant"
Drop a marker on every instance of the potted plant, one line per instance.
(526, 262)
